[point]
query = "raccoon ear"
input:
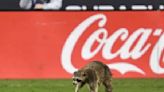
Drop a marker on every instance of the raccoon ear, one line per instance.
(75, 72)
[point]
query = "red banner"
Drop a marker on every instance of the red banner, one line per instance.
(55, 44)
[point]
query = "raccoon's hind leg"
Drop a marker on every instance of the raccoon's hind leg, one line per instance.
(107, 84)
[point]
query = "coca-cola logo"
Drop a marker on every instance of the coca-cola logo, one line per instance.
(138, 39)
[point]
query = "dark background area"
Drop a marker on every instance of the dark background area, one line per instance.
(14, 4)
(9, 5)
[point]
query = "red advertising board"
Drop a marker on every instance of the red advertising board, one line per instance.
(55, 44)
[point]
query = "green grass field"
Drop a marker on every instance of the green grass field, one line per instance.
(119, 85)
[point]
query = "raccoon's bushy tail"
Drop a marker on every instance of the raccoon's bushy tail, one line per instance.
(107, 70)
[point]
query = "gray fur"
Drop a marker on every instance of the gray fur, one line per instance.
(94, 74)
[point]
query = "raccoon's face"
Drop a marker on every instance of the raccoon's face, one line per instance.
(79, 77)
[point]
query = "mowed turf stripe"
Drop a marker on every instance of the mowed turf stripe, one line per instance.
(65, 85)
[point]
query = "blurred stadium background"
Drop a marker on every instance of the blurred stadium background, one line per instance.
(14, 4)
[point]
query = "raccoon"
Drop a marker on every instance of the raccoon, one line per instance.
(94, 74)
